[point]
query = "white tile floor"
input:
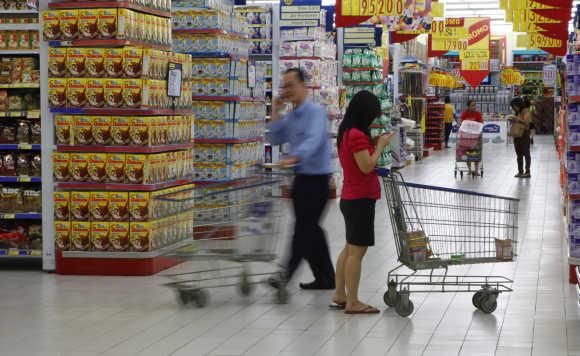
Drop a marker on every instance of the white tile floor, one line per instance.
(47, 314)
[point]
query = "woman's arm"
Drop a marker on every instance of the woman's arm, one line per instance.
(367, 162)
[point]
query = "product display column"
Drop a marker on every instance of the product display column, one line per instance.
(434, 126)
(20, 131)
(121, 105)
(228, 93)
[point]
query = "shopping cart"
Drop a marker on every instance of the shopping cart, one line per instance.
(469, 147)
(435, 228)
(235, 225)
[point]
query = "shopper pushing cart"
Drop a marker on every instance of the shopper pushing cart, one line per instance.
(469, 146)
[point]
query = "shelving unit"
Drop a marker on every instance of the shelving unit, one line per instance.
(434, 126)
(21, 134)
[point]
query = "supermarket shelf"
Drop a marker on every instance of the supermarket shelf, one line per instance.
(263, 57)
(10, 52)
(20, 146)
(530, 62)
(19, 179)
(107, 43)
(16, 253)
(229, 140)
(19, 27)
(207, 31)
(33, 114)
(108, 4)
(224, 98)
(20, 216)
(365, 69)
(119, 111)
(19, 12)
(123, 149)
(121, 186)
(259, 25)
(20, 86)
(574, 148)
(128, 255)
(215, 55)
(361, 83)
(290, 58)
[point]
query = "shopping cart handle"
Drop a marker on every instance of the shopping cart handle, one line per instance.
(382, 171)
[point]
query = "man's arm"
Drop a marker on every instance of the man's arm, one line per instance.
(315, 132)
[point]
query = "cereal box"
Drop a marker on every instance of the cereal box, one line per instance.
(139, 236)
(76, 59)
(95, 62)
(119, 236)
(120, 130)
(88, 19)
(57, 62)
(62, 235)
(61, 166)
(57, 92)
(34, 40)
(97, 167)
(101, 126)
(99, 206)
(83, 130)
(125, 23)
(135, 168)
(79, 166)
(133, 62)
(69, 24)
(76, 92)
(114, 92)
(116, 167)
(119, 206)
(100, 236)
(50, 25)
(139, 206)
(132, 92)
(80, 236)
(114, 62)
(63, 129)
(107, 23)
(95, 92)
(61, 206)
(79, 205)
(140, 131)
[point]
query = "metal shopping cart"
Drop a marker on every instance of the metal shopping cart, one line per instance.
(235, 224)
(435, 228)
(469, 148)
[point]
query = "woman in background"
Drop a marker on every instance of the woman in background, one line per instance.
(471, 114)
(448, 117)
(522, 143)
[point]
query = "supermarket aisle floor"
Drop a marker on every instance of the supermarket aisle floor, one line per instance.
(45, 314)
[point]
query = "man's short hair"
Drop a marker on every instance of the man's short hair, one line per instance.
(299, 73)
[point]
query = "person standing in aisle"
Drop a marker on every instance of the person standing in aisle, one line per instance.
(471, 114)
(449, 116)
(520, 132)
(360, 191)
(305, 128)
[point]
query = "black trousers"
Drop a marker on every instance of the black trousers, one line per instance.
(448, 127)
(522, 146)
(309, 198)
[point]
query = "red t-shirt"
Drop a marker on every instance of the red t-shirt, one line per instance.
(356, 184)
(472, 116)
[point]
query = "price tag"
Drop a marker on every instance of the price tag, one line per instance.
(36, 252)
(13, 252)
(373, 7)
(8, 216)
(24, 179)
(251, 76)
(33, 115)
(24, 146)
(174, 80)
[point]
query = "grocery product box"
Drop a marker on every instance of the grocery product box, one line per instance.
(80, 236)
(61, 166)
(100, 239)
(119, 236)
(62, 235)
(79, 166)
(99, 206)
(119, 206)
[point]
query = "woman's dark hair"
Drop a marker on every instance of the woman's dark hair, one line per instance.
(447, 100)
(519, 104)
(362, 110)
(469, 102)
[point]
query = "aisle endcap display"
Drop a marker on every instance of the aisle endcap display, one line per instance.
(110, 4)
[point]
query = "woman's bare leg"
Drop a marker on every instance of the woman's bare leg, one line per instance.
(352, 277)
(339, 296)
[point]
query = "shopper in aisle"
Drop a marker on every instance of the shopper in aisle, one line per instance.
(520, 131)
(360, 191)
(471, 114)
(449, 115)
(305, 128)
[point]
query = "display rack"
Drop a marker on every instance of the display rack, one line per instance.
(20, 132)
(121, 139)
(434, 126)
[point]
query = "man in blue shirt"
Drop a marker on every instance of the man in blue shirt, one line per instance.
(305, 128)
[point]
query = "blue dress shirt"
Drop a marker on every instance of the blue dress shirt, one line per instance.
(306, 129)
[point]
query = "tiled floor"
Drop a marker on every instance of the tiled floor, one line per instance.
(47, 314)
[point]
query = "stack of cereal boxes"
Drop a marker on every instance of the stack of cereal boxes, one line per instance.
(573, 154)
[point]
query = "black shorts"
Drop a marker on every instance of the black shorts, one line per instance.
(359, 218)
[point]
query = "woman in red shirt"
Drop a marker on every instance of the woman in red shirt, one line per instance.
(471, 114)
(360, 191)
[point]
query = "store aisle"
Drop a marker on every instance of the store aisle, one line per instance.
(63, 315)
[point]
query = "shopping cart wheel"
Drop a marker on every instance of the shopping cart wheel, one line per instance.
(200, 297)
(184, 296)
(488, 304)
(391, 296)
(476, 299)
(404, 306)
(245, 287)
(282, 295)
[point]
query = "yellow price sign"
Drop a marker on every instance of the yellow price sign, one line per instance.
(537, 40)
(24, 179)
(511, 76)
(470, 64)
(373, 7)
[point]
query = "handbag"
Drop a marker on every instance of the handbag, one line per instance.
(518, 129)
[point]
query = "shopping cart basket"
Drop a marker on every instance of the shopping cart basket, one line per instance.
(468, 147)
(235, 224)
(435, 228)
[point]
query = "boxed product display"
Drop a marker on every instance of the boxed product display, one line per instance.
(19, 199)
(20, 235)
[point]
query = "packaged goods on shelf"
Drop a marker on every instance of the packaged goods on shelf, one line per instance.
(19, 70)
(19, 40)
(228, 128)
(103, 23)
(18, 5)
(20, 164)
(310, 33)
(228, 110)
(201, 43)
(413, 83)
(121, 167)
(221, 171)
(19, 131)
(19, 235)
(260, 28)
(250, 152)
(19, 200)
(226, 6)
(209, 19)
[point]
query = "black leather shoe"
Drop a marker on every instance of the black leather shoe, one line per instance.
(317, 285)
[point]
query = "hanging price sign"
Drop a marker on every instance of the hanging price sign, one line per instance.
(510, 76)
(373, 7)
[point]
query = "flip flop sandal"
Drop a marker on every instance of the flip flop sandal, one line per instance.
(337, 306)
(367, 310)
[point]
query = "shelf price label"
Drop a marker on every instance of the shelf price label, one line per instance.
(24, 146)
(23, 179)
(373, 7)
(8, 216)
(510, 76)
